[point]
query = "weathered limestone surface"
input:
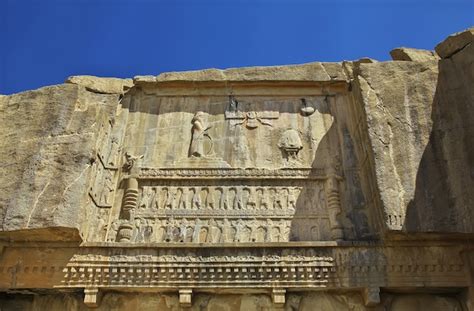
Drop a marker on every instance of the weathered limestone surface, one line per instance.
(102, 85)
(443, 200)
(48, 140)
(322, 186)
(307, 72)
(397, 99)
(419, 118)
(416, 55)
(318, 301)
(455, 43)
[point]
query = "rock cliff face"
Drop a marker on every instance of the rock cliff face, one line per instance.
(49, 138)
(323, 186)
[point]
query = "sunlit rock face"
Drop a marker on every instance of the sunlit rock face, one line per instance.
(323, 186)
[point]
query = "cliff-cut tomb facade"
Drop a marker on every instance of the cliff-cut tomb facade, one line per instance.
(322, 186)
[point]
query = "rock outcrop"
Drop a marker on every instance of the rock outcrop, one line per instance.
(50, 137)
(332, 186)
(414, 55)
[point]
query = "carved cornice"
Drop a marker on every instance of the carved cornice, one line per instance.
(265, 214)
(304, 267)
(201, 273)
(233, 173)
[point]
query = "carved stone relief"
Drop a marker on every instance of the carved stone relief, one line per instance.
(103, 184)
(200, 132)
(200, 198)
(215, 198)
(249, 118)
(201, 230)
(290, 144)
(232, 189)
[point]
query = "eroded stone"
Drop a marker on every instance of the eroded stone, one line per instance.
(102, 85)
(455, 43)
(322, 186)
(414, 55)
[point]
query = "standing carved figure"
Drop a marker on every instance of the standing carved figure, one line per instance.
(114, 227)
(145, 201)
(199, 132)
(279, 198)
(183, 201)
(165, 195)
(169, 230)
(238, 201)
(170, 198)
(177, 197)
(210, 199)
(292, 197)
(229, 199)
(218, 200)
(183, 230)
(107, 189)
(214, 232)
(159, 231)
(265, 200)
(155, 200)
(139, 228)
(227, 231)
(196, 200)
(252, 199)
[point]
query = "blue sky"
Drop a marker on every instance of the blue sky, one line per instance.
(43, 42)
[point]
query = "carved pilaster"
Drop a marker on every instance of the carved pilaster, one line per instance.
(334, 206)
(130, 197)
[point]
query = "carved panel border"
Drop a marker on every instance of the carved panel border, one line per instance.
(232, 173)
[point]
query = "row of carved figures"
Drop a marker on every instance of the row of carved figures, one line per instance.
(199, 230)
(224, 198)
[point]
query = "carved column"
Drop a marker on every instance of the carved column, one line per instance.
(334, 205)
(124, 233)
(130, 197)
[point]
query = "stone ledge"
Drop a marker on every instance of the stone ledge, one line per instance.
(102, 85)
(455, 42)
(414, 55)
(310, 72)
(218, 245)
(157, 269)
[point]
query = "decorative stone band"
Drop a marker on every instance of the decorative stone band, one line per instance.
(240, 268)
(263, 214)
(225, 274)
(252, 266)
(233, 173)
